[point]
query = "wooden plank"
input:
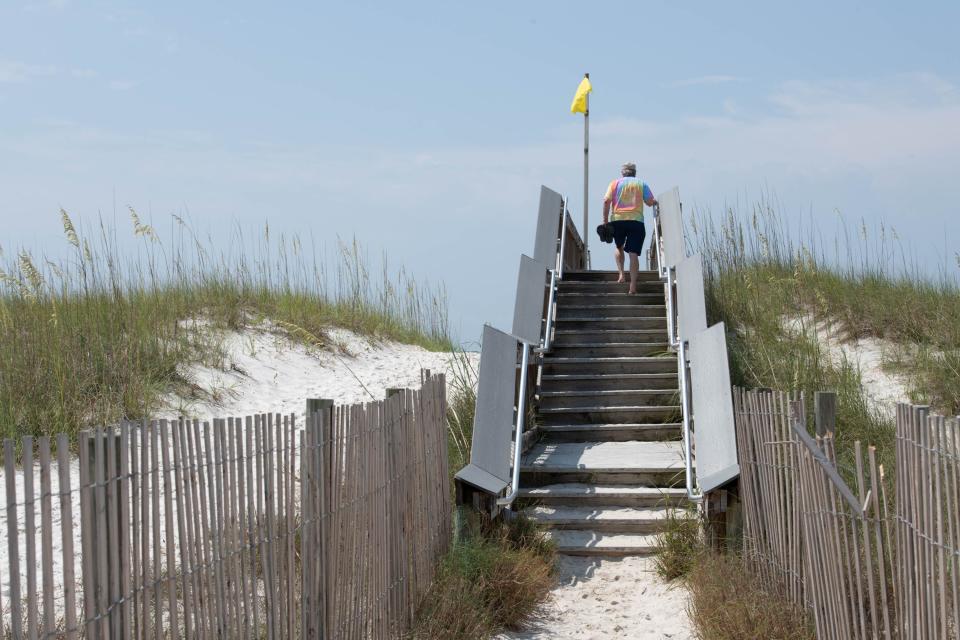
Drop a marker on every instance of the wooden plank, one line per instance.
(123, 546)
(157, 578)
(238, 586)
(30, 539)
(186, 565)
(216, 558)
(220, 526)
(101, 547)
(800, 430)
(289, 427)
(259, 426)
(136, 576)
(66, 532)
(252, 517)
(279, 540)
(880, 543)
(271, 517)
(953, 513)
(169, 534)
(865, 530)
(146, 566)
(230, 515)
(87, 534)
(247, 584)
(13, 546)
(201, 532)
(114, 624)
(825, 412)
(307, 546)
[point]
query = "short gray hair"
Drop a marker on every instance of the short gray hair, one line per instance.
(629, 169)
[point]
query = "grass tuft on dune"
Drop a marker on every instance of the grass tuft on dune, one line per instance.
(104, 333)
(759, 277)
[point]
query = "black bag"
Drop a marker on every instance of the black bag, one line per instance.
(605, 231)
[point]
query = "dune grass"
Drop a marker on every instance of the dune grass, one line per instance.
(727, 602)
(104, 333)
(775, 287)
(494, 578)
(761, 276)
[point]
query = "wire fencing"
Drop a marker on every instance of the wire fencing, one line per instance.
(237, 528)
(866, 563)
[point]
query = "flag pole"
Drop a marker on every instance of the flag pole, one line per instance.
(586, 173)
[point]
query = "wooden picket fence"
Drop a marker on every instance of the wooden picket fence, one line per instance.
(252, 527)
(868, 561)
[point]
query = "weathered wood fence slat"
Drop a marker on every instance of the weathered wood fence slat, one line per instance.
(246, 527)
(866, 563)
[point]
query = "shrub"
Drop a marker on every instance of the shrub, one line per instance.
(493, 579)
(678, 545)
(728, 603)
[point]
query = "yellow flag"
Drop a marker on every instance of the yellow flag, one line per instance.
(579, 104)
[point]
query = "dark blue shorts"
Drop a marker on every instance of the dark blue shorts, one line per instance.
(629, 234)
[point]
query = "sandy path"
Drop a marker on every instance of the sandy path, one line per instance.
(610, 598)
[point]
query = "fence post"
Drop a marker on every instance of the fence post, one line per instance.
(392, 391)
(319, 404)
(825, 410)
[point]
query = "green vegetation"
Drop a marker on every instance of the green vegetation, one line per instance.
(460, 409)
(494, 578)
(678, 545)
(103, 334)
(727, 602)
(775, 294)
(769, 290)
(497, 572)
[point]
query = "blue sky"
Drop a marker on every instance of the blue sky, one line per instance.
(425, 129)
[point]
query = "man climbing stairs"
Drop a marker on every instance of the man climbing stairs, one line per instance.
(609, 463)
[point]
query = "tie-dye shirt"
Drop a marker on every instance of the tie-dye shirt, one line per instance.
(626, 196)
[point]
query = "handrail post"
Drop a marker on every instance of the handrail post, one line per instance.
(672, 333)
(556, 274)
(563, 238)
(547, 340)
(518, 443)
(692, 494)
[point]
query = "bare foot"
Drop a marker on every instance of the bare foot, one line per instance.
(621, 279)
(632, 291)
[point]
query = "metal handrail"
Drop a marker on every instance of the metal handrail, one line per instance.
(555, 274)
(680, 344)
(518, 443)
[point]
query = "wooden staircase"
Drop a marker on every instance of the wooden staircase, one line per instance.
(609, 463)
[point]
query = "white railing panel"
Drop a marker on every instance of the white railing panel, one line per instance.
(528, 308)
(671, 227)
(548, 226)
(490, 459)
(715, 442)
(691, 303)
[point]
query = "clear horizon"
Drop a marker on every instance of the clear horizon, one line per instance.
(426, 131)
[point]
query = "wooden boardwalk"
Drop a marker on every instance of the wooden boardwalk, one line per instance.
(609, 463)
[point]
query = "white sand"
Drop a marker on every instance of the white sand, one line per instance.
(610, 598)
(269, 373)
(266, 371)
(882, 389)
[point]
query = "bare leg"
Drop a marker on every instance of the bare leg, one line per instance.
(618, 257)
(634, 271)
